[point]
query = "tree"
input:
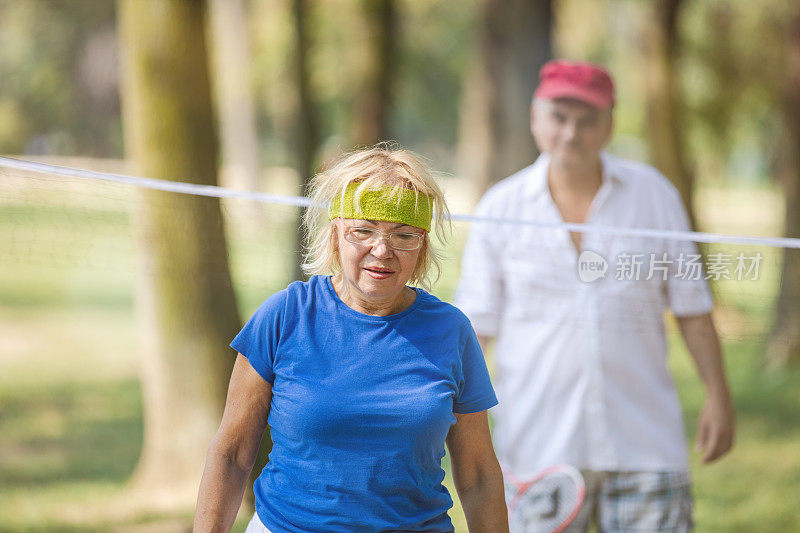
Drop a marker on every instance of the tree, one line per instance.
(186, 298)
(374, 97)
(515, 41)
(305, 138)
(234, 93)
(665, 124)
(784, 346)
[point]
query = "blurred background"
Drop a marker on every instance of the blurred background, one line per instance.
(117, 303)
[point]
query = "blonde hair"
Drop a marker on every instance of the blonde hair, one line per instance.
(384, 167)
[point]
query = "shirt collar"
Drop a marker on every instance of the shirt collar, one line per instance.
(537, 173)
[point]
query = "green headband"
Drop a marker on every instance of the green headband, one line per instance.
(413, 209)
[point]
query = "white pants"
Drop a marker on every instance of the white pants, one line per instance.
(255, 526)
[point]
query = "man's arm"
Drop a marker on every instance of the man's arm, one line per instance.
(715, 426)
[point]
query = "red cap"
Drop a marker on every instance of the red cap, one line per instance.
(582, 81)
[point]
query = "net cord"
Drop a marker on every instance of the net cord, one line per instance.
(301, 201)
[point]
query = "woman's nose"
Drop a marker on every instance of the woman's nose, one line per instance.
(381, 247)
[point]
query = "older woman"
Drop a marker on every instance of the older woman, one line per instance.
(361, 378)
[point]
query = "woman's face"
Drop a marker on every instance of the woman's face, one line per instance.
(376, 272)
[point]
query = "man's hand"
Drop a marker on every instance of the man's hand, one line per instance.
(715, 427)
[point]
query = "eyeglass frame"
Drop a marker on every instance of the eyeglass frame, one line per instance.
(382, 235)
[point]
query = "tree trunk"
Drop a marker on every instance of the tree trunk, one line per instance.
(495, 139)
(374, 98)
(186, 299)
(238, 132)
(234, 94)
(666, 133)
(305, 138)
(784, 345)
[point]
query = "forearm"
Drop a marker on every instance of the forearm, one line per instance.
(221, 491)
(483, 502)
(703, 344)
(716, 421)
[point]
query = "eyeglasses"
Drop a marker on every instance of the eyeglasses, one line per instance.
(397, 240)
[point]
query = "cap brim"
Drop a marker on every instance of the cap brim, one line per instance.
(555, 91)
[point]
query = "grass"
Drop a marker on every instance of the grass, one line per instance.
(757, 486)
(71, 406)
(70, 436)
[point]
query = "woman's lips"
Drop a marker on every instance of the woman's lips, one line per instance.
(379, 273)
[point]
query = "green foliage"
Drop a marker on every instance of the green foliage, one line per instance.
(733, 87)
(731, 76)
(58, 92)
(436, 40)
(731, 66)
(439, 40)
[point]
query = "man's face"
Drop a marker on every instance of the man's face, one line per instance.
(571, 131)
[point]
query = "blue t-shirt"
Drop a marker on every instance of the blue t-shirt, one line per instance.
(361, 406)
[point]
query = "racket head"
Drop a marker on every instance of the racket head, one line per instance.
(546, 503)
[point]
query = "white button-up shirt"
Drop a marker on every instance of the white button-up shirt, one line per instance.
(581, 366)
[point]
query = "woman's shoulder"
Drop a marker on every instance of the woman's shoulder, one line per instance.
(296, 293)
(432, 304)
(304, 289)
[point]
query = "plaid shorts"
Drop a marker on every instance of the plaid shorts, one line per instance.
(635, 502)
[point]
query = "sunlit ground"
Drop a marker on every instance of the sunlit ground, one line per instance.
(70, 402)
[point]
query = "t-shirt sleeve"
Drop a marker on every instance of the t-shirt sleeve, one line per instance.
(475, 391)
(686, 290)
(258, 340)
(480, 289)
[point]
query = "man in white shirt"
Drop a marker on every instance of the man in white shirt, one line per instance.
(577, 317)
